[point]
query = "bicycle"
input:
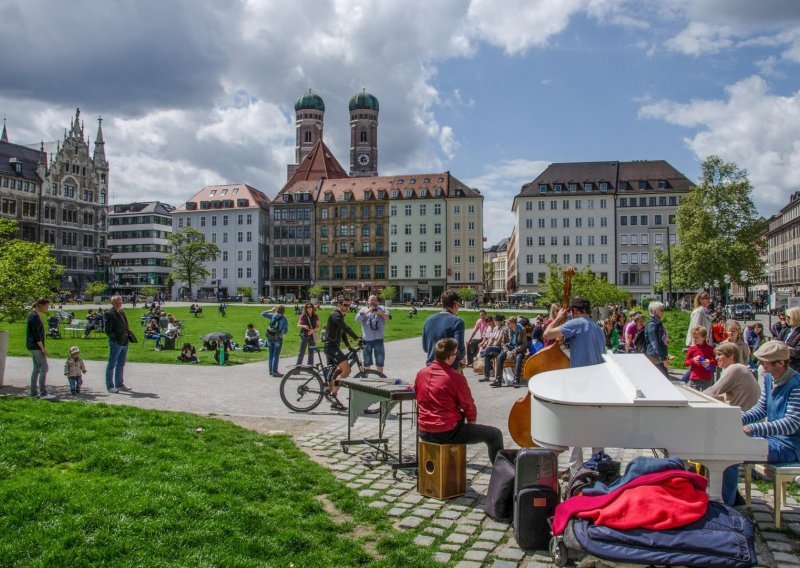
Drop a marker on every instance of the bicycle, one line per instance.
(303, 388)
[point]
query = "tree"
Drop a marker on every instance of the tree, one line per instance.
(27, 271)
(388, 293)
(96, 289)
(316, 291)
(718, 229)
(190, 252)
(466, 294)
(488, 277)
(598, 291)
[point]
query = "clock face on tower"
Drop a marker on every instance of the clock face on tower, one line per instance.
(363, 159)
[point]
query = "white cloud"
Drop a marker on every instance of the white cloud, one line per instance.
(448, 142)
(755, 129)
(699, 38)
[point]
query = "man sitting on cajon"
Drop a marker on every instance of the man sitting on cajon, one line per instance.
(447, 412)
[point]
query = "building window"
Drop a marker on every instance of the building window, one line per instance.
(623, 220)
(623, 240)
(541, 205)
(553, 223)
(393, 246)
(423, 247)
(553, 205)
(587, 186)
(437, 209)
(541, 240)
(541, 223)
(408, 247)
(623, 258)
(565, 204)
(437, 229)
(603, 258)
(437, 246)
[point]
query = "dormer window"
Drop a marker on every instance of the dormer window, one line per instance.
(542, 187)
(642, 184)
(426, 180)
(381, 194)
(662, 184)
(587, 186)
(622, 185)
(423, 192)
(347, 195)
(400, 182)
(573, 187)
(395, 193)
(603, 186)
(409, 192)
(441, 180)
(412, 181)
(224, 191)
(327, 196)
(438, 191)
(287, 198)
(235, 190)
(367, 195)
(212, 192)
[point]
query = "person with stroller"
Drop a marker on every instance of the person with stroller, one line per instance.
(54, 327)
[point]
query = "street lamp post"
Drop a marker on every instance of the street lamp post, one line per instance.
(726, 297)
(769, 270)
(744, 275)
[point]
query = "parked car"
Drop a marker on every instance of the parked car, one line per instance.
(743, 311)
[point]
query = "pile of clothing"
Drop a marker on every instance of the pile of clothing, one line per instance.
(656, 513)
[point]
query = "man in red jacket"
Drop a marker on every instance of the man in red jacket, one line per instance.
(447, 412)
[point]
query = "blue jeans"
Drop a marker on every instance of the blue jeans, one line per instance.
(39, 373)
(375, 347)
(274, 346)
(117, 354)
(778, 453)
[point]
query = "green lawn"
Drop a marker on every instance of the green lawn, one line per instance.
(235, 323)
(91, 485)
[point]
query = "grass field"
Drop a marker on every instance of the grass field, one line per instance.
(91, 485)
(235, 323)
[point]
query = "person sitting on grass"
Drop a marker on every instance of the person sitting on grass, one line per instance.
(251, 339)
(188, 354)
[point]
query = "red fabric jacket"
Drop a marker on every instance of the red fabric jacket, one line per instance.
(443, 399)
(699, 372)
(657, 501)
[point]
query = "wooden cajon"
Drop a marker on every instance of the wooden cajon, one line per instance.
(442, 470)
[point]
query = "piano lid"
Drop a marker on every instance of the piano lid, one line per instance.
(623, 379)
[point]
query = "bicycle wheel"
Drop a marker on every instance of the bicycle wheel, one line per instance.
(302, 389)
(372, 374)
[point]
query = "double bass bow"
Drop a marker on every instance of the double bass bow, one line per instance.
(549, 358)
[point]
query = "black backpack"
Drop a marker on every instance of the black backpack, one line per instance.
(640, 342)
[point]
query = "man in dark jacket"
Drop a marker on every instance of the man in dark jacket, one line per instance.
(34, 341)
(337, 330)
(442, 325)
(656, 349)
(116, 328)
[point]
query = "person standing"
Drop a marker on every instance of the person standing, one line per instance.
(446, 409)
(74, 369)
(477, 335)
(336, 331)
(34, 341)
(699, 317)
(278, 327)
(309, 325)
(445, 324)
(655, 346)
(793, 337)
(373, 318)
(587, 343)
(118, 332)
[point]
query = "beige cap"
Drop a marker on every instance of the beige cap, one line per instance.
(772, 351)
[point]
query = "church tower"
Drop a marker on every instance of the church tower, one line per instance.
(364, 134)
(309, 120)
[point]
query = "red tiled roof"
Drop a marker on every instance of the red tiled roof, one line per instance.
(229, 191)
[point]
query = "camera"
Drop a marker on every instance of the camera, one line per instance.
(375, 309)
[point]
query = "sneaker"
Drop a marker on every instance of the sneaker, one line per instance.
(277, 374)
(125, 388)
(336, 404)
(328, 396)
(496, 384)
(113, 390)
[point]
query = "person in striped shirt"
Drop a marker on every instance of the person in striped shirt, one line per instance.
(779, 404)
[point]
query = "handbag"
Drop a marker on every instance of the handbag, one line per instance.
(132, 337)
(315, 335)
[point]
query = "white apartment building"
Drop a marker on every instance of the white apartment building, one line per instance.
(465, 236)
(138, 241)
(607, 216)
(235, 218)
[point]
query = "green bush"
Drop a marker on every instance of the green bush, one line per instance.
(316, 291)
(388, 293)
(245, 291)
(96, 289)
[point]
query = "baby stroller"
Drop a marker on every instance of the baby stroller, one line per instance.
(54, 327)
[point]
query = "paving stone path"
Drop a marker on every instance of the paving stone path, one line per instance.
(459, 532)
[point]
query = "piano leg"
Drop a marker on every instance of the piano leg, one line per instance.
(715, 470)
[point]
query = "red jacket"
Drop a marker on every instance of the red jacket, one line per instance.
(699, 372)
(443, 399)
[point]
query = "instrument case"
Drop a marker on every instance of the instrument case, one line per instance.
(533, 507)
(536, 466)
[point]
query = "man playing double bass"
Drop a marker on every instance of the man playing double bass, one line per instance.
(586, 343)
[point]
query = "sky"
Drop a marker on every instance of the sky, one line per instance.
(200, 92)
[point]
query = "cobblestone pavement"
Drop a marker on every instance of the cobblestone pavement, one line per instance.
(458, 530)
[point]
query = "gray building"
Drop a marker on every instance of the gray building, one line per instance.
(138, 241)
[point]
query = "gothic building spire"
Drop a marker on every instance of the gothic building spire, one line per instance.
(99, 156)
(4, 137)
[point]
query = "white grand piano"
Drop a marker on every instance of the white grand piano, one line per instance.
(627, 403)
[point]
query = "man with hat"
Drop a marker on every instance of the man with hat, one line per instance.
(587, 343)
(445, 324)
(780, 405)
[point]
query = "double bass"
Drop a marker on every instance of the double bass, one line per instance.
(550, 358)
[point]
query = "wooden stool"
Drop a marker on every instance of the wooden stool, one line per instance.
(780, 473)
(442, 470)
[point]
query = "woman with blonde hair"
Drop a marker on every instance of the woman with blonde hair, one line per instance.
(793, 338)
(700, 316)
(735, 338)
(736, 386)
(554, 309)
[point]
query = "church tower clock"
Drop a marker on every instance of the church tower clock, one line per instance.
(363, 134)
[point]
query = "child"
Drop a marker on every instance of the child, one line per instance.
(73, 368)
(701, 361)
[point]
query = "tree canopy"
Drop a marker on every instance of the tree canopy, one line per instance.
(718, 228)
(585, 283)
(190, 252)
(27, 271)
